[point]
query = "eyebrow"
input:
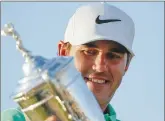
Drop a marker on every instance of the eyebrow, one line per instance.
(91, 44)
(118, 49)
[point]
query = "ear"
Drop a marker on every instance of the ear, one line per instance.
(62, 48)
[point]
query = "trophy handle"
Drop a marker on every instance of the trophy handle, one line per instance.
(9, 30)
(32, 63)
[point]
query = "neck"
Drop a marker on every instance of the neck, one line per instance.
(104, 108)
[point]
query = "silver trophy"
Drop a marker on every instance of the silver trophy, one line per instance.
(52, 87)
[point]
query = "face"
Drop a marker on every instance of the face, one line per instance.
(102, 64)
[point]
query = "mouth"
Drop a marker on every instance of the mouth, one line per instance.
(99, 81)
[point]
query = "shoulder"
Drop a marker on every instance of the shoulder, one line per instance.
(12, 114)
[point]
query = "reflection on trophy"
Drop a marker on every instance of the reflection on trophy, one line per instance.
(52, 87)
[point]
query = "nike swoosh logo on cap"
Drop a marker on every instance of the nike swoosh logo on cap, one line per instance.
(98, 21)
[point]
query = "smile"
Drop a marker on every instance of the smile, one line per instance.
(99, 81)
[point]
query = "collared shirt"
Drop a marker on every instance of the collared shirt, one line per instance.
(110, 114)
(15, 114)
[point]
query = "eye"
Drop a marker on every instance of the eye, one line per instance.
(113, 55)
(90, 52)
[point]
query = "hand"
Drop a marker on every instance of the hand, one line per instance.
(52, 118)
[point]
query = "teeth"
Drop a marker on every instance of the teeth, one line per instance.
(97, 81)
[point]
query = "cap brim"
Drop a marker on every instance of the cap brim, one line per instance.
(102, 38)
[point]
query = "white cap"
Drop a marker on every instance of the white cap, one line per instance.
(83, 26)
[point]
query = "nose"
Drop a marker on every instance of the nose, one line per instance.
(100, 63)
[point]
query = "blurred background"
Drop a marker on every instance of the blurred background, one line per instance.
(42, 24)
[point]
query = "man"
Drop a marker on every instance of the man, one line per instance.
(100, 38)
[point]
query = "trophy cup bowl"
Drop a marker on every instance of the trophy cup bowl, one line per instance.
(52, 87)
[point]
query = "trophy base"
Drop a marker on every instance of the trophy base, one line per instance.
(41, 102)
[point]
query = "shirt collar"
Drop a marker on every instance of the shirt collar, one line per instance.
(110, 114)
